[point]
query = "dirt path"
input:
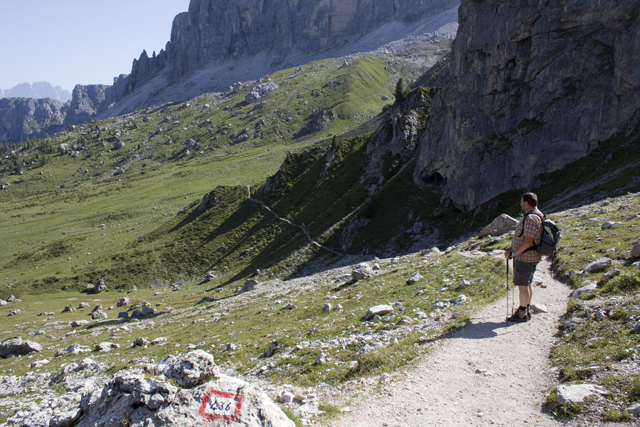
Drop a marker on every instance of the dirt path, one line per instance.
(486, 374)
(288, 221)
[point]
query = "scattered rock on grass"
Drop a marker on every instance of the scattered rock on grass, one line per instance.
(598, 265)
(610, 275)
(362, 271)
(139, 342)
(123, 301)
(18, 347)
(592, 286)
(274, 347)
(634, 411)
(97, 288)
(72, 349)
(577, 393)
(378, 310)
(415, 278)
(104, 347)
(78, 323)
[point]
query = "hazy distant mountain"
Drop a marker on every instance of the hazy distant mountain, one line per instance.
(37, 90)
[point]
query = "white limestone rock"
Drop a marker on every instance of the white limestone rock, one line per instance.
(577, 393)
(499, 226)
(592, 286)
(378, 310)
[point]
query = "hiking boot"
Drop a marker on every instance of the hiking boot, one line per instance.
(520, 315)
(529, 312)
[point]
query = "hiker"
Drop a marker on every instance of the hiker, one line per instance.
(527, 236)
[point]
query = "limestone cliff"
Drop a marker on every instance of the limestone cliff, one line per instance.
(532, 86)
(29, 117)
(213, 33)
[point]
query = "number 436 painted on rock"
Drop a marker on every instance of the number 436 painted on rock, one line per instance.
(218, 405)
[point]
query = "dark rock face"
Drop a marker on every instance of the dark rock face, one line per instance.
(532, 86)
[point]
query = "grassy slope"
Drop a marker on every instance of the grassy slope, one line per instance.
(44, 224)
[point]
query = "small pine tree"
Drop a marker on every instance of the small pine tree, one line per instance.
(400, 91)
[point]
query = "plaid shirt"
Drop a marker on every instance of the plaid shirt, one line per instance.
(530, 225)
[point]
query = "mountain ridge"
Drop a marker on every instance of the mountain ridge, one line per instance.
(37, 90)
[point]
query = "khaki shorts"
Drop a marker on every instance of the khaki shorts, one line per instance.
(523, 272)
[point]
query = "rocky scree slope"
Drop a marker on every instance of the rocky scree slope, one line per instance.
(532, 87)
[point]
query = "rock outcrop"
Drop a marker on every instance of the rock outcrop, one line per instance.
(207, 396)
(531, 87)
(29, 117)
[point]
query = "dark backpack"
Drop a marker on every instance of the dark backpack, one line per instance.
(550, 236)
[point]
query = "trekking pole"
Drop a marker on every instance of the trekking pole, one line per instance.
(507, 291)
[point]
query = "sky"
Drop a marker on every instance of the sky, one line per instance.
(69, 42)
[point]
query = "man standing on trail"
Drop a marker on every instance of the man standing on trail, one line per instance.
(526, 238)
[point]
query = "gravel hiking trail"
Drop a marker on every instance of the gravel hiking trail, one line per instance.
(485, 374)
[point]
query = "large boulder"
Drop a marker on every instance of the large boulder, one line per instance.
(378, 310)
(207, 398)
(577, 393)
(598, 265)
(362, 271)
(18, 347)
(499, 226)
(100, 286)
(590, 287)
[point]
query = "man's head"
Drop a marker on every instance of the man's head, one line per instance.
(528, 201)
